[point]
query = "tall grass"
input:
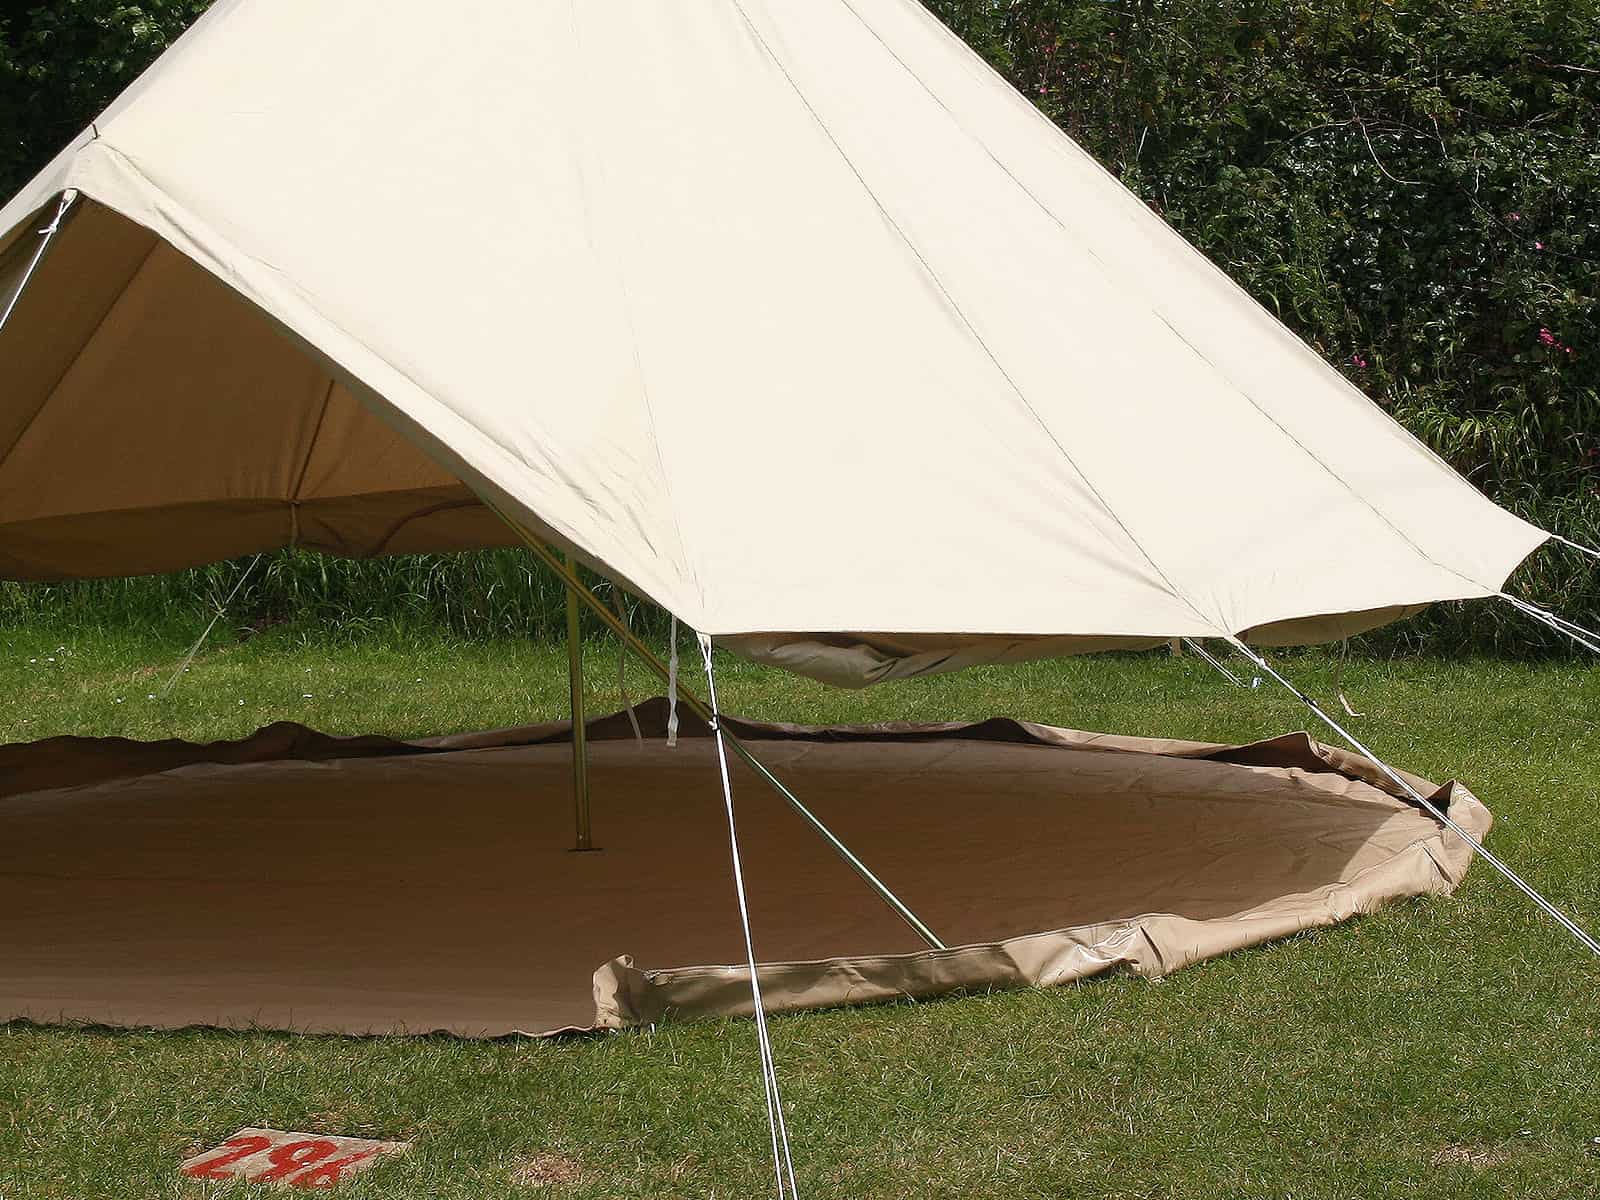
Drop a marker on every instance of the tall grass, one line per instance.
(485, 595)
(494, 594)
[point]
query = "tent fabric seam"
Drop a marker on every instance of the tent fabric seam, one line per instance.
(638, 359)
(312, 502)
(1238, 390)
(305, 465)
(1316, 458)
(311, 442)
(1065, 147)
(1173, 590)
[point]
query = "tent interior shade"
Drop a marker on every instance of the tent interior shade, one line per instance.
(805, 326)
(149, 884)
(155, 420)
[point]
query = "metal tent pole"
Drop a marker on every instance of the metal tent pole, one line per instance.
(583, 834)
(576, 590)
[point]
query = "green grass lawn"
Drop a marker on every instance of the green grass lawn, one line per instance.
(1440, 1048)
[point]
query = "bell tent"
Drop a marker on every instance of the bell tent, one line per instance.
(788, 315)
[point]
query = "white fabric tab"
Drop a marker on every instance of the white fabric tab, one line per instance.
(672, 686)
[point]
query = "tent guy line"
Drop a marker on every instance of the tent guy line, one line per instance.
(1578, 546)
(1587, 638)
(1211, 659)
(672, 683)
(575, 587)
(1583, 937)
(46, 235)
(183, 663)
(782, 1158)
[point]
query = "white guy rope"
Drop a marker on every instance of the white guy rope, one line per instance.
(1338, 680)
(1478, 848)
(206, 632)
(782, 1159)
(48, 232)
(844, 852)
(1572, 545)
(1207, 657)
(672, 687)
(1587, 638)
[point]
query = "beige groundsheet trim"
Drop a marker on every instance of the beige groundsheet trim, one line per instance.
(298, 881)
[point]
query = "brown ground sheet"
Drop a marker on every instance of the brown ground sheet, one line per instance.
(298, 881)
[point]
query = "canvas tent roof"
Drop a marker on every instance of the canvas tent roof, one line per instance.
(789, 314)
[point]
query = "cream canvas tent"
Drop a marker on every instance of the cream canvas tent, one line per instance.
(788, 315)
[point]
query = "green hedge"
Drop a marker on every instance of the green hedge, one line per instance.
(1411, 187)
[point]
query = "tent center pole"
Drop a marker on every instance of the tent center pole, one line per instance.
(578, 593)
(583, 834)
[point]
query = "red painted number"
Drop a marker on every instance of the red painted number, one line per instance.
(291, 1156)
(327, 1174)
(233, 1150)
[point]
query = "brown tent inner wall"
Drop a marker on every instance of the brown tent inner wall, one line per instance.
(298, 881)
(154, 419)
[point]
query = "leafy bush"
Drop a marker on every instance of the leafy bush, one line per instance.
(1410, 187)
(61, 63)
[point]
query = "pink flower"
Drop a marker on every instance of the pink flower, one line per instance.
(1357, 361)
(1549, 339)
(1515, 216)
(1538, 245)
